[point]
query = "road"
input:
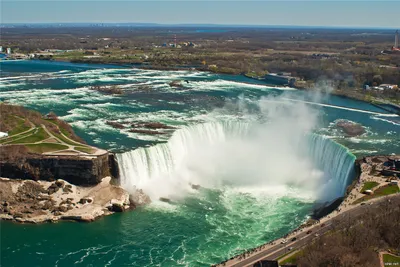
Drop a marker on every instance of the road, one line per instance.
(302, 238)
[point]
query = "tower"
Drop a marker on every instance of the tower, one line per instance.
(175, 40)
(396, 39)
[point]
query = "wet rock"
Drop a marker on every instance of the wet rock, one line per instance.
(195, 186)
(116, 206)
(175, 83)
(139, 198)
(165, 199)
(350, 128)
(115, 124)
(145, 131)
(152, 125)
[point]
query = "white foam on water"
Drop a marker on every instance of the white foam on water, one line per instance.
(344, 108)
(388, 121)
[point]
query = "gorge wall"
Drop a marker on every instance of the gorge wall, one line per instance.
(73, 169)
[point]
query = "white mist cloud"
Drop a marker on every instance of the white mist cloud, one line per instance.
(265, 150)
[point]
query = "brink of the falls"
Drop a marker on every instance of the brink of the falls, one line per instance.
(239, 155)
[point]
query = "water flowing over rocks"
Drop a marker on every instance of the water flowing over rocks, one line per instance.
(350, 128)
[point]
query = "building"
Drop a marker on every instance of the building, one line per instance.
(9, 50)
(396, 42)
(388, 86)
(280, 79)
(266, 263)
(1, 49)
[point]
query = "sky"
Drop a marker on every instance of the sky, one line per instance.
(357, 13)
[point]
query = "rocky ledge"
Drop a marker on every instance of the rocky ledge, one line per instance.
(350, 128)
(41, 201)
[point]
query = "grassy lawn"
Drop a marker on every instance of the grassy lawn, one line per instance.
(39, 135)
(21, 127)
(64, 132)
(391, 260)
(17, 124)
(84, 149)
(369, 186)
(65, 140)
(45, 147)
(291, 259)
(12, 138)
(381, 191)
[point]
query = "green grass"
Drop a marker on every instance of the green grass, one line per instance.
(387, 258)
(369, 186)
(21, 127)
(12, 138)
(65, 140)
(84, 149)
(381, 191)
(292, 258)
(45, 147)
(39, 135)
(64, 132)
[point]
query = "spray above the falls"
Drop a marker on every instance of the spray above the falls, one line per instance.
(269, 151)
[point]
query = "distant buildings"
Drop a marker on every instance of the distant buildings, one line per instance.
(9, 51)
(1, 49)
(396, 42)
(281, 78)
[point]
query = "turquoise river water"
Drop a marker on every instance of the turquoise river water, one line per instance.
(263, 156)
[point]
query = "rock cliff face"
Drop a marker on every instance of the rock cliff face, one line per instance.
(76, 170)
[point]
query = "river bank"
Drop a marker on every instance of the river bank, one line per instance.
(370, 169)
(27, 201)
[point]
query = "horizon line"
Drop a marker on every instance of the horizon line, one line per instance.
(201, 24)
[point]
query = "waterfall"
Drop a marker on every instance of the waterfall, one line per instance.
(238, 154)
(337, 163)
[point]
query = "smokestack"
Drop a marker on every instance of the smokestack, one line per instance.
(396, 39)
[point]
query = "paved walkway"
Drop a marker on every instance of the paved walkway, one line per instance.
(70, 150)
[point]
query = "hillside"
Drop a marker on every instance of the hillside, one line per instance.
(30, 132)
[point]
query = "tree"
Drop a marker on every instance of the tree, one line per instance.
(377, 79)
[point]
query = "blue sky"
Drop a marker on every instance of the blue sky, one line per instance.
(302, 13)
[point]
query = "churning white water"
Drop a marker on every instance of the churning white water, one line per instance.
(239, 155)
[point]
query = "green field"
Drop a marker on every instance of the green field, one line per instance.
(39, 135)
(381, 191)
(45, 147)
(13, 138)
(66, 140)
(390, 260)
(369, 186)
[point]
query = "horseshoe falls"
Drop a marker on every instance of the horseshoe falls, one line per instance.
(237, 155)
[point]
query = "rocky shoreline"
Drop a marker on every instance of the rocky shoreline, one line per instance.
(27, 201)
